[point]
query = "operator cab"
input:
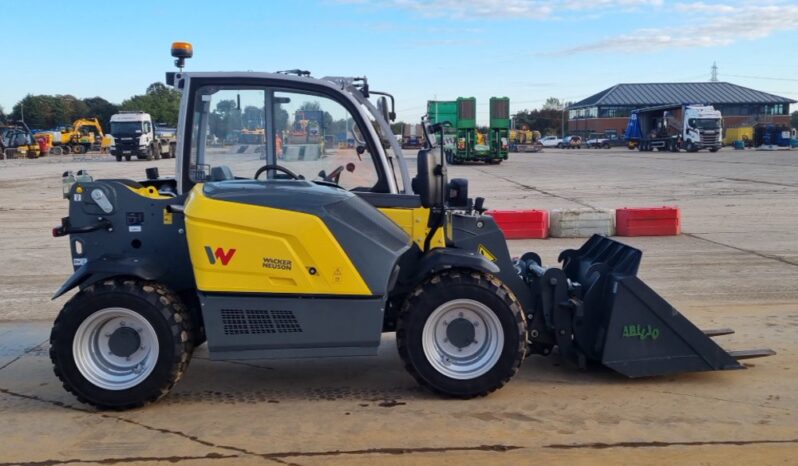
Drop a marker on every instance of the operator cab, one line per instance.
(268, 130)
(288, 126)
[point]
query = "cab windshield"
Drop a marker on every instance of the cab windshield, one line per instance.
(119, 128)
(704, 123)
(311, 135)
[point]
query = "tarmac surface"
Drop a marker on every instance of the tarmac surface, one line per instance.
(735, 265)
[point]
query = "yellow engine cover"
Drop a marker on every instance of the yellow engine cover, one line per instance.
(238, 247)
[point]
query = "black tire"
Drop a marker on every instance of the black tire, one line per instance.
(118, 157)
(714, 149)
(559, 146)
(154, 302)
(127, 158)
(445, 287)
(156, 152)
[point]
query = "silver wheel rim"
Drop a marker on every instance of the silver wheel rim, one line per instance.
(101, 361)
(462, 357)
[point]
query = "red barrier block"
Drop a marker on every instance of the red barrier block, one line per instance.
(522, 224)
(648, 221)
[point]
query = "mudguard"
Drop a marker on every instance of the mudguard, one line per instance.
(440, 259)
(95, 271)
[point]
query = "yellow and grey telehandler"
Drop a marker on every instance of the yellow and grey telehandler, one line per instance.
(266, 256)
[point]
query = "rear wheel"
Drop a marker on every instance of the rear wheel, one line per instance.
(462, 334)
(127, 158)
(121, 344)
(118, 157)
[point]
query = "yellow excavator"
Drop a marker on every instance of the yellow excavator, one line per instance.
(82, 136)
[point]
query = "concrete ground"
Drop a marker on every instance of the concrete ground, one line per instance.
(735, 265)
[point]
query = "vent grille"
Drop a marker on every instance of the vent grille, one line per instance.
(468, 109)
(259, 321)
(500, 108)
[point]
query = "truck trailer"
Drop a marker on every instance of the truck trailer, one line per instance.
(675, 127)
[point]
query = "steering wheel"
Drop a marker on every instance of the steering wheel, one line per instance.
(278, 168)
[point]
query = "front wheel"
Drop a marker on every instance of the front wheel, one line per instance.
(121, 344)
(462, 334)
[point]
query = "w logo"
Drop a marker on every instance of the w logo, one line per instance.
(220, 254)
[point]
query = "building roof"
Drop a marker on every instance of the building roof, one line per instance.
(650, 94)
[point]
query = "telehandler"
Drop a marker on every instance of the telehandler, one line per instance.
(270, 258)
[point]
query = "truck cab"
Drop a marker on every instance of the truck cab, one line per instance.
(134, 135)
(702, 128)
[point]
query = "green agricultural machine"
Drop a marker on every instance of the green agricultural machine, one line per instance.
(462, 139)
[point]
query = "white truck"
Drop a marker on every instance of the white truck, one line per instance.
(675, 127)
(135, 134)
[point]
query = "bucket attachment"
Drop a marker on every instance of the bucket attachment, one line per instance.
(610, 316)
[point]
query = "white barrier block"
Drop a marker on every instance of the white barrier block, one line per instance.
(581, 223)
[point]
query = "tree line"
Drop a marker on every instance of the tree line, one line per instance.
(45, 111)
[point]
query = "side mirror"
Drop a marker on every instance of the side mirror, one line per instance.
(428, 184)
(382, 106)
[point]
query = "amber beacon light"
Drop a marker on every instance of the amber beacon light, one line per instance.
(181, 51)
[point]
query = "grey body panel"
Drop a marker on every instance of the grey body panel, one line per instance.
(440, 259)
(138, 244)
(471, 231)
(280, 326)
(371, 240)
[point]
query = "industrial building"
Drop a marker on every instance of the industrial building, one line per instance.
(607, 112)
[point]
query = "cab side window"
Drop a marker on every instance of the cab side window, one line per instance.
(311, 135)
(318, 137)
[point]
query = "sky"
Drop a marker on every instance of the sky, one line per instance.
(419, 50)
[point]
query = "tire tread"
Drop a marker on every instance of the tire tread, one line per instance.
(462, 277)
(170, 307)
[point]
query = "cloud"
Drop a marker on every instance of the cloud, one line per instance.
(710, 25)
(502, 9)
